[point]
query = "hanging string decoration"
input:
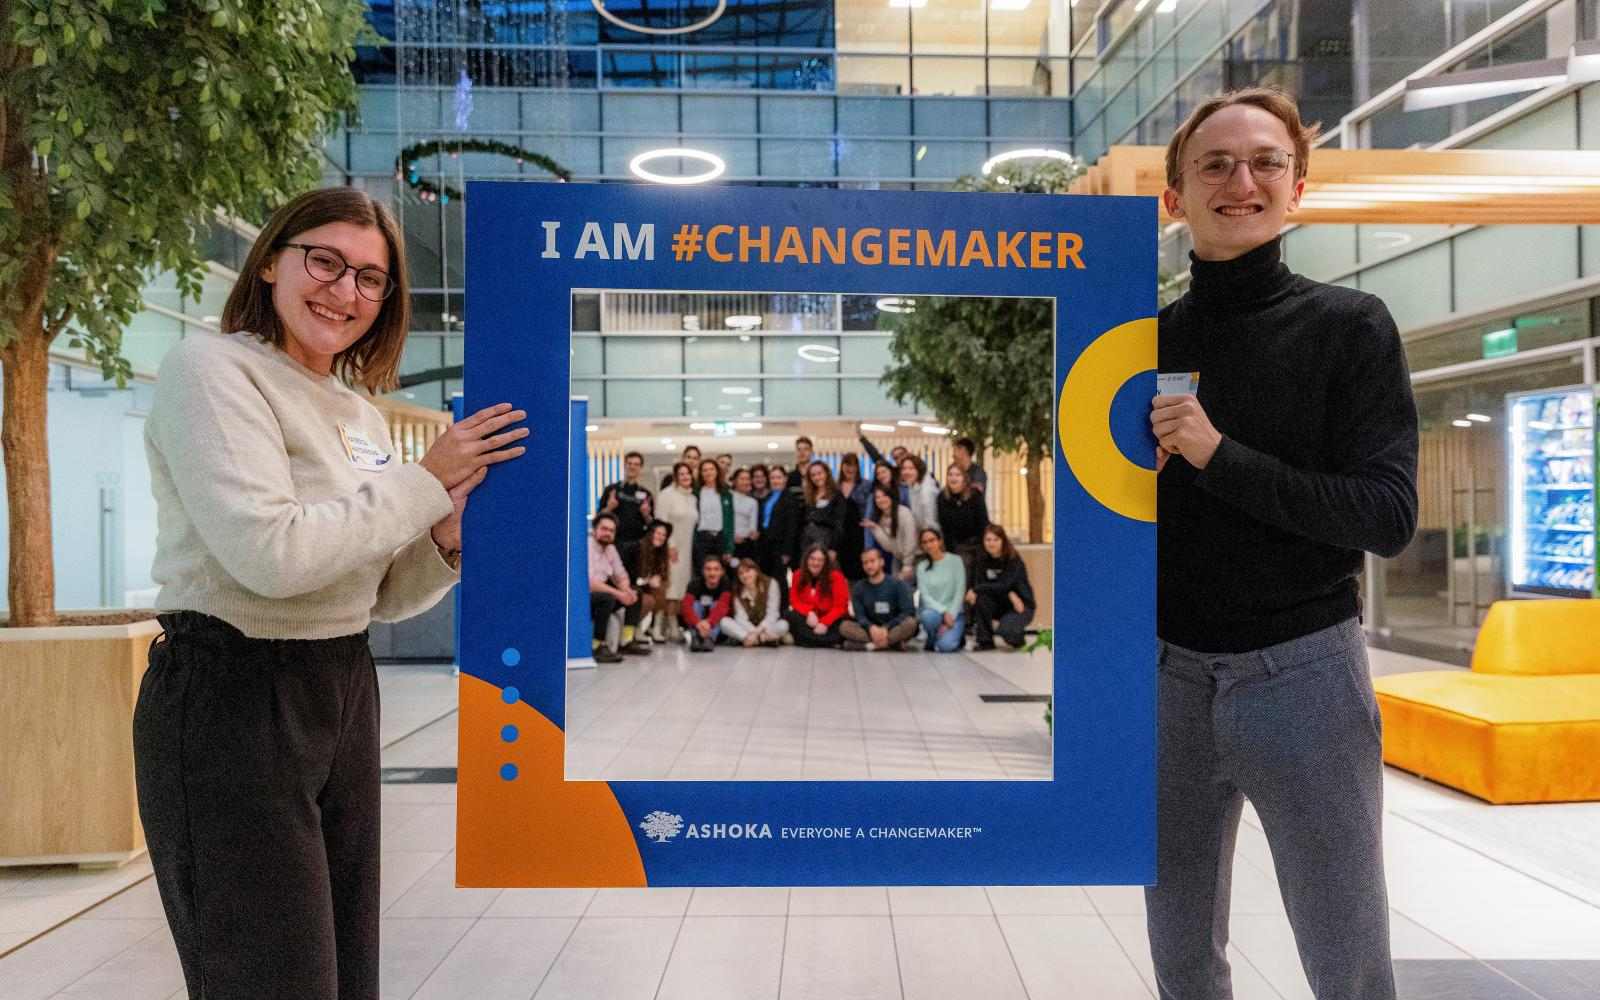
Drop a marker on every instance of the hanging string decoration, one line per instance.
(406, 167)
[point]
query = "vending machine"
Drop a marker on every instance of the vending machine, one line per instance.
(1552, 497)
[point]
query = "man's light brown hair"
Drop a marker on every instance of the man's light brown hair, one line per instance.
(1275, 102)
(373, 361)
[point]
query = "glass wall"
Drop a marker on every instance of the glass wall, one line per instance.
(732, 357)
(1158, 61)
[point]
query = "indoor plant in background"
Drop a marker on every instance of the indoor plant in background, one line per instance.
(127, 127)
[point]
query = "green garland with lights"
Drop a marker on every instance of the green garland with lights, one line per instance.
(405, 165)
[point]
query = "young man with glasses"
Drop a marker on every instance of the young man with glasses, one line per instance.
(1287, 448)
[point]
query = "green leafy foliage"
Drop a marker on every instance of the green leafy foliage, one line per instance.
(128, 126)
(986, 366)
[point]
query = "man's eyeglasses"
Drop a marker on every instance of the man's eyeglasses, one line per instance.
(1267, 165)
(327, 266)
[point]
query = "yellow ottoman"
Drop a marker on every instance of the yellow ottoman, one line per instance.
(1501, 738)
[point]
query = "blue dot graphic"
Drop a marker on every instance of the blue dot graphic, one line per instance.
(509, 734)
(1130, 419)
(510, 695)
(508, 772)
(510, 657)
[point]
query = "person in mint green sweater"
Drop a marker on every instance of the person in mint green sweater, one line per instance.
(941, 587)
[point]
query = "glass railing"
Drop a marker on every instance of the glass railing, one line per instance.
(1527, 33)
(737, 68)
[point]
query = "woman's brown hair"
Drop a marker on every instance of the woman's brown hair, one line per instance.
(1008, 551)
(827, 480)
(823, 583)
(373, 361)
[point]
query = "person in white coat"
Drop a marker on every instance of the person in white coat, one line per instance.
(921, 492)
(678, 506)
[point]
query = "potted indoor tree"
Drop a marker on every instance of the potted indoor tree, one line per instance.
(127, 128)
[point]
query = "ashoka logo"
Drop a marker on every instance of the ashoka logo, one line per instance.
(661, 826)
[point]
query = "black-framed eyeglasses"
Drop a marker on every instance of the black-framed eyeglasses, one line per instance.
(1265, 166)
(328, 265)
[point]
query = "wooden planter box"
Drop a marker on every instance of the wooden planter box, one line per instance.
(66, 743)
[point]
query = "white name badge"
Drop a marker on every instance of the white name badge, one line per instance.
(1177, 383)
(880, 607)
(361, 452)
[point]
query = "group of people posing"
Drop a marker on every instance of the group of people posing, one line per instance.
(762, 556)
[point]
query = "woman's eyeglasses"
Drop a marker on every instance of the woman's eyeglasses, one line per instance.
(327, 266)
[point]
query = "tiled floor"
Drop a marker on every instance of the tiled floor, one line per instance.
(793, 713)
(1476, 916)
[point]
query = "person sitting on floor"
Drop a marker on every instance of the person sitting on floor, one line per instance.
(757, 617)
(941, 585)
(819, 597)
(706, 604)
(610, 593)
(885, 616)
(999, 596)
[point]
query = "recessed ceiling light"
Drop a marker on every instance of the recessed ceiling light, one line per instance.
(746, 425)
(896, 304)
(880, 428)
(743, 322)
(931, 429)
(736, 390)
(591, 428)
(772, 446)
(909, 423)
(744, 338)
(753, 399)
(1479, 418)
(1461, 423)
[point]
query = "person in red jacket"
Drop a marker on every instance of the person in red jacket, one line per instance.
(819, 598)
(708, 600)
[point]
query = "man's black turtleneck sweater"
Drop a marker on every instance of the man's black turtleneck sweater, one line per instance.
(1307, 384)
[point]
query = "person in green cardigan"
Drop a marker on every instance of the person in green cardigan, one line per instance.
(941, 589)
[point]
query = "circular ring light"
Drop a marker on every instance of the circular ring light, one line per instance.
(714, 162)
(820, 354)
(1024, 154)
(644, 29)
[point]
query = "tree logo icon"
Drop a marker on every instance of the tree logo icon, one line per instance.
(661, 826)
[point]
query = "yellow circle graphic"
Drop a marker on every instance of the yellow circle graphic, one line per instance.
(1084, 419)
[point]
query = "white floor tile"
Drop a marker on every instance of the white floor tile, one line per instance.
(400, 871)
(53, 962)
(1058, 899)
(854, 901)
(662, 902)
(501, 960)
(429, 828)
(540, 903)
(35, 914)
(1131, 933)
(739, 901)
(1409, 939)
(420, 794)
(1493, 930)
(141, 902)
(826, 958)
(1117, 899)
(1267, 941)
(725, 958)
(1071, 957)
(149, 970)
(1248, 982)
(59, 880)
(435, 895)
(928, 900)
(619, 958)
(954, 957)
(410, 950)
(11, 939)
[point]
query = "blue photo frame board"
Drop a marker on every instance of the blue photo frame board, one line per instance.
(520, 823)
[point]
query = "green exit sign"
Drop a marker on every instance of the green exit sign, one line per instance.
(1500, 343)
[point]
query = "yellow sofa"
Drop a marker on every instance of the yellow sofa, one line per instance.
(1523, 725)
